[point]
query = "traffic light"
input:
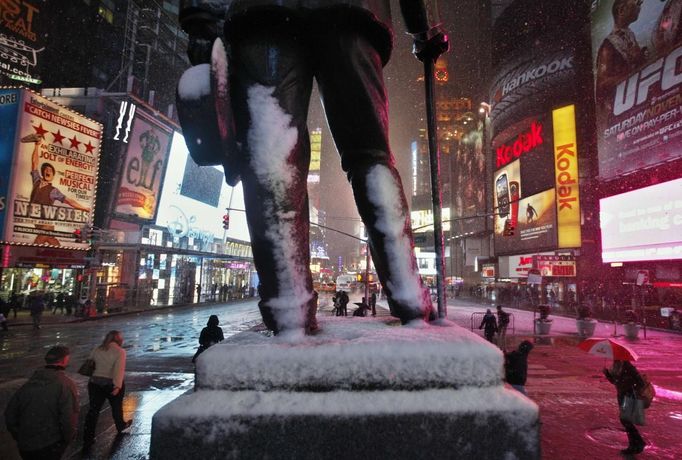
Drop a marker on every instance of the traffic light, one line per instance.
(508, 228)
(226, 221)
(78, 235)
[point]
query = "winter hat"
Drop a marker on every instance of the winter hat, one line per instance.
(56, 354)
(525, 346)
(213, 320)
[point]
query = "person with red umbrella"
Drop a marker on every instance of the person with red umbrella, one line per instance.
(627, 379)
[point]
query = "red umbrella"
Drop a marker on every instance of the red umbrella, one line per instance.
(607, 348)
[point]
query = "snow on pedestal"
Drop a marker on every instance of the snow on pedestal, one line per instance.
(362, 387)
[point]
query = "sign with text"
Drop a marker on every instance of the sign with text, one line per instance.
(55, 164)
(21, 39)
(638, 80)
(644, 224)
(552, 265)
(146, 157)
(9, 112)
(566, 173)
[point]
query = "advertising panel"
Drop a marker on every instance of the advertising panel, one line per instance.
(553, 265)
(644, 224)
(195, 198)
(535, 225)
(21, 40)
(566, 174)
(54, 174)
(518, 266)
(637, 83)
(146, 158)
(9, 111)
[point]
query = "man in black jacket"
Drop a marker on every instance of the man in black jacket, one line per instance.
(516, 366)
(42, 416)
(277, 48)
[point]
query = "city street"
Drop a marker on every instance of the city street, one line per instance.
(577, 405)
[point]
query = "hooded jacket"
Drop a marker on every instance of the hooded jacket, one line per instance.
(44, 411)
(209, 17)
(516, 364)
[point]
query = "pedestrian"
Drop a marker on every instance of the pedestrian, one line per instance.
(58, 303)
(37, 307)
(210, 335)
(42, 416)
(373, 303)
(15, 302)
(516, 366)
(628, 381)
(502, 323)
(198, 288)
(489, 326)
(277, 50)
(4, 314)
(107, 383)
(343, 303)
(214, 288)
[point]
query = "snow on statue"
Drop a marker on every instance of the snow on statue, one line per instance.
(245, 106)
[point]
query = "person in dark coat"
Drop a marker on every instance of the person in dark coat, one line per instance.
(210, 335)
(278, 48)
(502, 323)
(343, 303)
(625, 376)
(516, 366)
(37, 307)
(42, 416)
(489, 326)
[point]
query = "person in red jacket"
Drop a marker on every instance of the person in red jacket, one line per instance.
(625, 376)
(278, 48)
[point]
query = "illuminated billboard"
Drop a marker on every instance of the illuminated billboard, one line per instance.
(637, 84)
(54, 172)
(644, 224)
(195, 198)
(145, 163)
(21, 40)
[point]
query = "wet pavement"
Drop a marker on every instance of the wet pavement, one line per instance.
(578, 408)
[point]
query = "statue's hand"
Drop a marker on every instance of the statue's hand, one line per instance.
(199, 50)
(430, 44)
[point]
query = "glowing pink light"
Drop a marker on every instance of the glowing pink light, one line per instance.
(667, 394)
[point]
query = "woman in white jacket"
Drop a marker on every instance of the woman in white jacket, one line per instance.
(106, 383)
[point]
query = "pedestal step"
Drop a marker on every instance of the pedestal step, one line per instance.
(481, 423)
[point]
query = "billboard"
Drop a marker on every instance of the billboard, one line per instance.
(21, 39)
(637, 84)
(54, 173)
(566, 177)
(644, 224)
(145, 164)
(9, 113)
(195, 198)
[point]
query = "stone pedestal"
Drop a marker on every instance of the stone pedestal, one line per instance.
(362, 388)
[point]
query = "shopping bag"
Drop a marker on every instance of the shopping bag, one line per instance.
(632, 410)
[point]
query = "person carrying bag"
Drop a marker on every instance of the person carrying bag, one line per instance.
(629, 382)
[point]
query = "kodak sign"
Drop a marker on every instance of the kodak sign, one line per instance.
(566, 177)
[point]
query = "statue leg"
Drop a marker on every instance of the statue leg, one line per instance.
(350, 78)
(271, 85)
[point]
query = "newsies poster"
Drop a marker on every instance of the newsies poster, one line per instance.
(54, 174)
(146, 157)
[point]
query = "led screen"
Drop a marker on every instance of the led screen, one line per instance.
(644, 224)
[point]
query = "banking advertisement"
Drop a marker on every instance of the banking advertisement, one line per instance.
(22, 40)
(145, 165)
(9, 112)
(642, 225)
(54, 174)
(636, 51)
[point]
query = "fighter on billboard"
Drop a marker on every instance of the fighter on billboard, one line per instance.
(54, 174)
(636, 53)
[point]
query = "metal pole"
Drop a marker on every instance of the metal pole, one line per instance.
(367, 277)
(434, 162)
